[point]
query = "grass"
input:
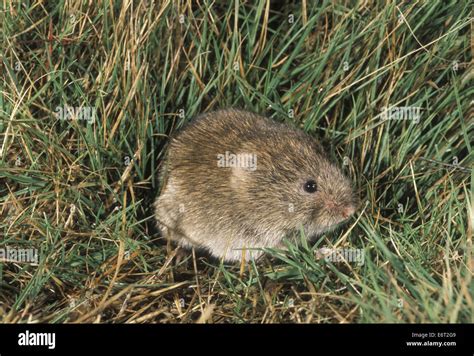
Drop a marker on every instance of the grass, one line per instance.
(80, 192)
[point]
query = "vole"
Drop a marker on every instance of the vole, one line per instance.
(235, 181)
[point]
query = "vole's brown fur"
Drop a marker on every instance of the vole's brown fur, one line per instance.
(231, 210)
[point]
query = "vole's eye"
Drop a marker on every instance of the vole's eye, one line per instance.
(310, 186)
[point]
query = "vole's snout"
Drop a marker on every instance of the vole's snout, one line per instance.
(347, 211)
(343, 210)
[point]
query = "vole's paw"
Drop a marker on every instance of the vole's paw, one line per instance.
(180, 256)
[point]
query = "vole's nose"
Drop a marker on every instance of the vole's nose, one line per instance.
(344, 210)
(347, 211)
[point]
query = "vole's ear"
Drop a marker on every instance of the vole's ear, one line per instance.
(238, 178)
(242, 166)
(319, 146)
